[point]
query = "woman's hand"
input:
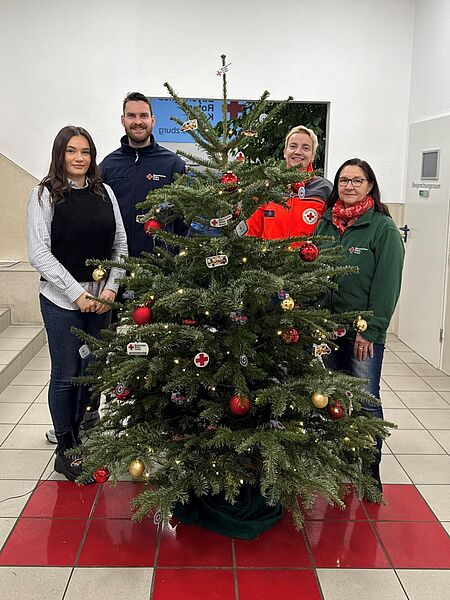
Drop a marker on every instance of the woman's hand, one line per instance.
(85, 304)
(362, 348)
(107, 295)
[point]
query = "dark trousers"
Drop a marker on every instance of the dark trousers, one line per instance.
(67, 402)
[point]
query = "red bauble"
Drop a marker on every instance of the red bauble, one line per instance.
(239, 405)
(101, 475)
(335, 410)
(142, 315)
(121, 392)
(296, 186)
(289, 336)
(152, 225)
(308, 252)
(229, 180)
(236, 212)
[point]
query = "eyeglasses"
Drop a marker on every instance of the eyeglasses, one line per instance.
(356, 181)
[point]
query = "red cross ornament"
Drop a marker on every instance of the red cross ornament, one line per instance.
(201, 360)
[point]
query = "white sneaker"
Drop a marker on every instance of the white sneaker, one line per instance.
(51, 437)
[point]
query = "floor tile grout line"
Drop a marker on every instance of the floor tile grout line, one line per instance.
(381, 544)
(88, 523)
(235, 571)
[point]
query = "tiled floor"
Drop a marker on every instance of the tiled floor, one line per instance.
(63, 542)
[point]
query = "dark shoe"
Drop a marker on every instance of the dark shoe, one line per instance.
(91, 418)
(69, 466)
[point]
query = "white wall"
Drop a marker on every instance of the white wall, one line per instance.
(430, 81)
(72, 62)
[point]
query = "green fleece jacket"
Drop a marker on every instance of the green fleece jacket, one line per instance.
(373, 244)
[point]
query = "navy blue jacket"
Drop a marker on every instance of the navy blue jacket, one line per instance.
(132, 173)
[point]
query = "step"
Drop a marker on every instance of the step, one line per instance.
(19, 289)
(18, 345)
(5, 317)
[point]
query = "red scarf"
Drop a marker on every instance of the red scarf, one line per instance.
(343, 217)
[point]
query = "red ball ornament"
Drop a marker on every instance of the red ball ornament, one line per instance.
(121, 391)
(142, 315)
(239, 405)
(152, 225)
(229, 180)
(308, 252)
(101, 475)
(289, 336)
(236, 213)
(335, 410)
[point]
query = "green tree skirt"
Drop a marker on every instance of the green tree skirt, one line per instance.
(245, 519)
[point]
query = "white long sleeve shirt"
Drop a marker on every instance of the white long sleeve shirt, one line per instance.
(59, 286)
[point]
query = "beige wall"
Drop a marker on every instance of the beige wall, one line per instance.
(14, 191)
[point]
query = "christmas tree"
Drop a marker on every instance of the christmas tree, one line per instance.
(220, 395)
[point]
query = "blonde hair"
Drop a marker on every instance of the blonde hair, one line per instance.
(309, 132)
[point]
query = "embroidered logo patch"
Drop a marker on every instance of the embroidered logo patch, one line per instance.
(310, 216)
(357, 250)
(269, 213)
(155, 177)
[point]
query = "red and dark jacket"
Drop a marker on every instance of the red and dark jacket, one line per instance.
(273, 221)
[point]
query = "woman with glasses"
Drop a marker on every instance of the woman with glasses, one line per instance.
(72, 216)
(361, 223)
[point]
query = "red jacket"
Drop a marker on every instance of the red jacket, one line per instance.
(273, 221)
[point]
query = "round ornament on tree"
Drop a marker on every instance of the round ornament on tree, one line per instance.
(99, 274)
(239, 405)
(142, 315)
(289, 336)
(308, 252)
(288, 303)
(360, 324)
(319, 400)
(136, 468)
(152, 225)
(229, 180)
(335, 410)
(121, 391)
(101, 475)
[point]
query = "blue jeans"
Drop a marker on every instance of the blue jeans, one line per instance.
(370, 369)
(67, 402)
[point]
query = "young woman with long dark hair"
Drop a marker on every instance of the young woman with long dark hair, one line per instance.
(72, 217)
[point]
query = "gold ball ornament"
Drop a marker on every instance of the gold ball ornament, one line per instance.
(136, 468)
(319, 400)
(360, 324)
(288, 303)
(99, 273)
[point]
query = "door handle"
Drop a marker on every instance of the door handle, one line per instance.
(405, 230)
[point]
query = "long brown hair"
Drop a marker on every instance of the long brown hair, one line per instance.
(56, 178)
(374, 192)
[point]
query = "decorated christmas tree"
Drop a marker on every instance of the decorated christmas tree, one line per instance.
(221, 405)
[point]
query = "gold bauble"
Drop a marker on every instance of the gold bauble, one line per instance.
(360, 324)
(319, 400)
(136, 468)
(99, 274)
(288, 303)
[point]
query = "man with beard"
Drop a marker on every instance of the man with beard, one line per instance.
(137, 167)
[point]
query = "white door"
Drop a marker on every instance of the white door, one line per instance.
(422, 300)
